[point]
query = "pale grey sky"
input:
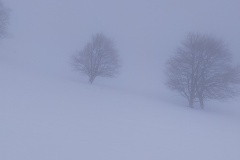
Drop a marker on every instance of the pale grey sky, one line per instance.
(146, 32)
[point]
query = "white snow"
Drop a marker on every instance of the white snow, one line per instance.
(49, 117)
(48, 112)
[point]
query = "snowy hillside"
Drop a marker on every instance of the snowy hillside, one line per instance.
(43, 117)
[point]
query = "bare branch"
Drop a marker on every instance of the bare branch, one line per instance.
(4, 16)
(202, 69)
(98, 58)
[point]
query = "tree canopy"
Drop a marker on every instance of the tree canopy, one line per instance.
(202, 69)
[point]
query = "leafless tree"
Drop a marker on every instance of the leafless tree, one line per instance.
(3, 20)
(98, 58)
(202, 69)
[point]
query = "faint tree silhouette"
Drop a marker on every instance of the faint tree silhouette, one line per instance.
(4, 17)
(98, 58)
(202, 69)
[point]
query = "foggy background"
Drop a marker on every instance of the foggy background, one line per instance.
(48, 111)
(44, 34)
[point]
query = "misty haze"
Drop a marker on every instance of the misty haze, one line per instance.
(119, 80)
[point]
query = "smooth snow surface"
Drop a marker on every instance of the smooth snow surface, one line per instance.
(45, 117)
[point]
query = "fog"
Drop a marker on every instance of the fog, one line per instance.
(48, 111)
(45, 34)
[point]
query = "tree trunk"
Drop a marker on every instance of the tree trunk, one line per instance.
(201, 99)
(191, 102)
(201, 102)
(91, 79)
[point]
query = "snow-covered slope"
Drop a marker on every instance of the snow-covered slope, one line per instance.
(45, 117)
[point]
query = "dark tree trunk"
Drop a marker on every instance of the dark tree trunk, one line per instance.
(201, 102)
(91, 79)
(191, 102)
(201, 99)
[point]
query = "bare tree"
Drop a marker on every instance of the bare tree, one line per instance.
(98, 58)
(4, 16)
(202, 69)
